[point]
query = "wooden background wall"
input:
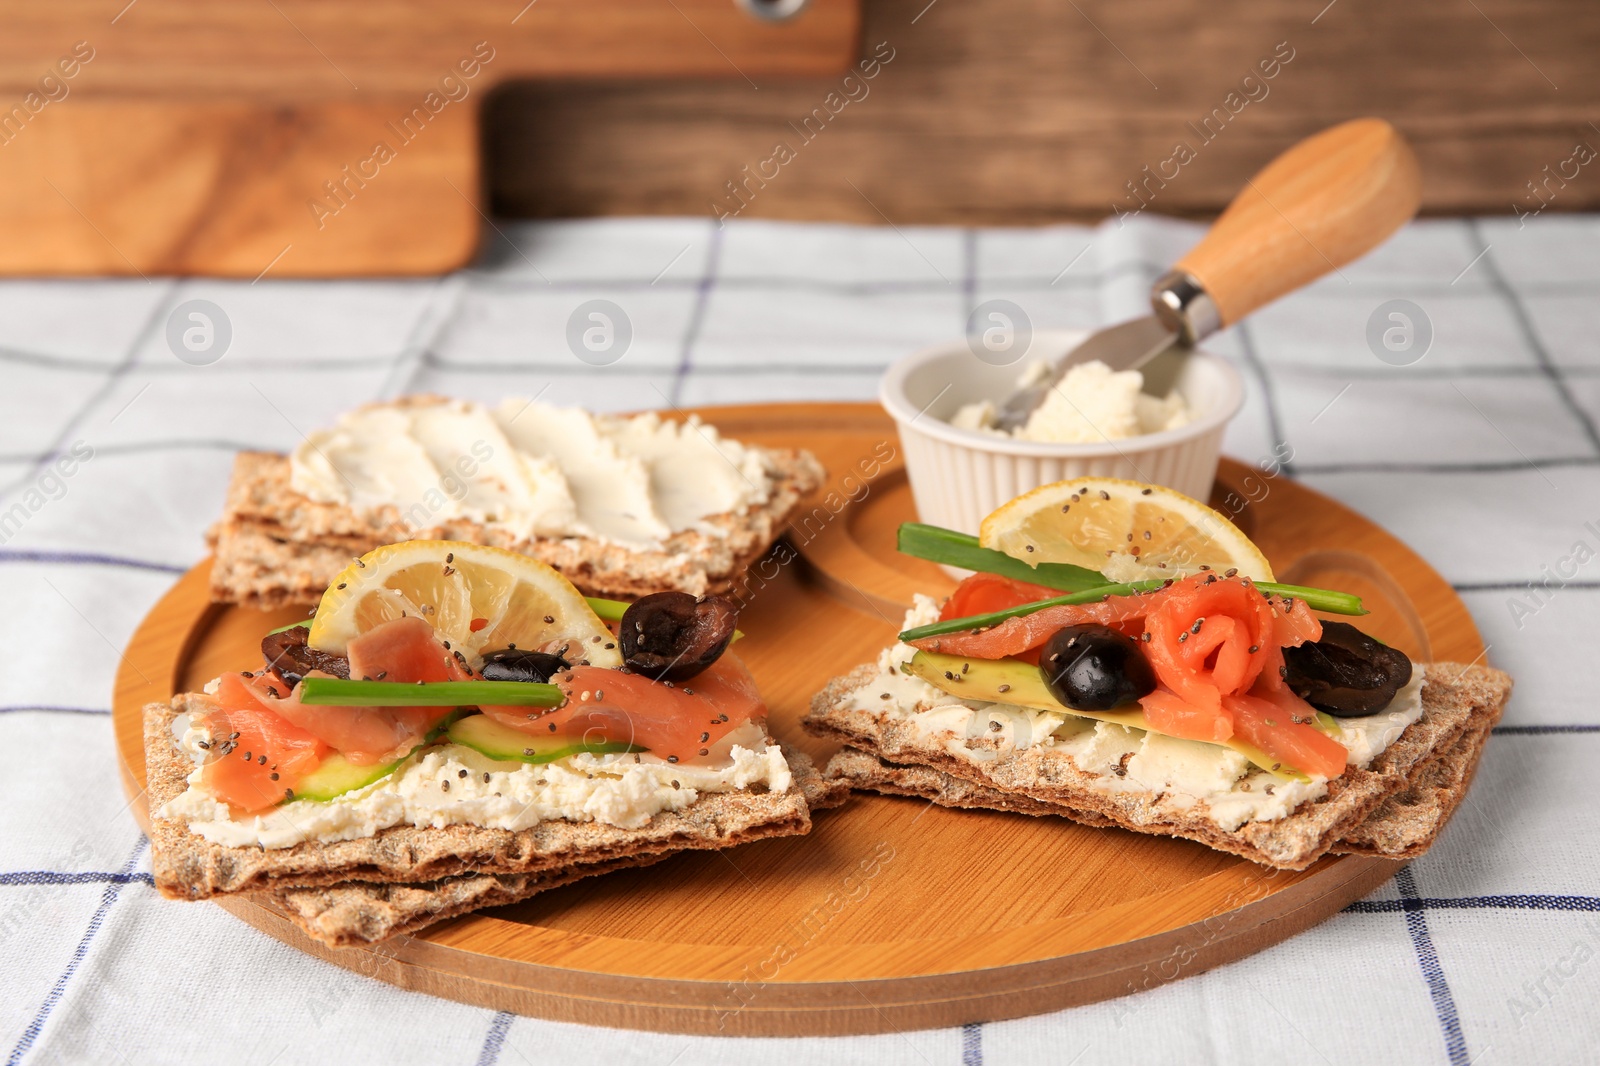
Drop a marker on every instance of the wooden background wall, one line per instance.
(1025, 111)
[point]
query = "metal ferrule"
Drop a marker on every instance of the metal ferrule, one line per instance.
(1182, 305)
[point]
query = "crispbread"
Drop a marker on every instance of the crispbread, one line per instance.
(187, 866)
(1034, 781)
(275, 547)
(1402, 827)
(356, 912)
(1407, 823)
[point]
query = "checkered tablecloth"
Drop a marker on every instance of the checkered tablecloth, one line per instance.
(117, 428)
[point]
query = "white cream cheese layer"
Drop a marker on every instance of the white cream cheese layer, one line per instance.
(1092, 403)
(1184, 772)
(532, 469)
(454, 785)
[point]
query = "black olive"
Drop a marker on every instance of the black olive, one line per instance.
(1095, 668)
(286, 652)
(515, 664)
(672, 636)
(1346, 673)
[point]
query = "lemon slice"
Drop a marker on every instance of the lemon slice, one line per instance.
(478, 598)
(1127, 530)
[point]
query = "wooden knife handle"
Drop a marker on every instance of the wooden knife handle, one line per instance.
(1330, 199)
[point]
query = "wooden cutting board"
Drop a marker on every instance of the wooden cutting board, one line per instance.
(892, 914)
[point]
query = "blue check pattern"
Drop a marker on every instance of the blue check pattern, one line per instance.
(1483, 454)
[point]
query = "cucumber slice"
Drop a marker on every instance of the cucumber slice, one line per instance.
(1021, 684)
(488, 737)
(337, 775)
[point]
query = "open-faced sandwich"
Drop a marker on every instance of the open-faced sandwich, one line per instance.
(623, 506)
(1121, 656)
(457, 727)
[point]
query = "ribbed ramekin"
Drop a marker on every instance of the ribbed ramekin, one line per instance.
(958, 476)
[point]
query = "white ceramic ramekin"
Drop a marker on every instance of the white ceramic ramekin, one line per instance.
(958, 476)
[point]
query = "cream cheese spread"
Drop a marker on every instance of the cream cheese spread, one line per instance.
(1184, 772)
(453, 785)
(532, 469)
(1092, 403)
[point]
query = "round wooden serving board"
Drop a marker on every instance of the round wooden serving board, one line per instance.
(892, 914)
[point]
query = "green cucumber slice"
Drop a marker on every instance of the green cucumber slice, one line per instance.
(337, 775)
(488, 737)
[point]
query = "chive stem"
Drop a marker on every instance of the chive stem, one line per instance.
(608, 610)
(950, 548)
(338, 692)
(994, 618)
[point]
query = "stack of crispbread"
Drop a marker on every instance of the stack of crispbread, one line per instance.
(1395, 808)
(275, 547)
(405, 877)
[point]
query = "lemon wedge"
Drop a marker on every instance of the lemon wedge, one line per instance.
(1127, 530)
(476, 597)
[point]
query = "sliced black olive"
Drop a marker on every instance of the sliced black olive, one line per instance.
(1095, 668)
(1346, 673)
(287, 652)
(672, 636)
(515, 664)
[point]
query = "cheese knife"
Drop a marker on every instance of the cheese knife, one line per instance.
(1328, 200)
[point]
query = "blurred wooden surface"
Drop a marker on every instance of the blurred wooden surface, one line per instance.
(309, 138)
(1026, 111)
(317, 51)
(229, 188)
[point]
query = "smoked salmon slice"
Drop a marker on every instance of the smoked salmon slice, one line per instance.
(256, 758)
(402, 649)
(684, 723)
(1216, 645)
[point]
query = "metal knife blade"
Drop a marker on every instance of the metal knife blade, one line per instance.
(1127, 346)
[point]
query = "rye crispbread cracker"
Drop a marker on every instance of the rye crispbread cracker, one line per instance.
(1407, 823)
(187, 866)
(1455, 699)
(355, 912)
(276, 547)
(1402, 827)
